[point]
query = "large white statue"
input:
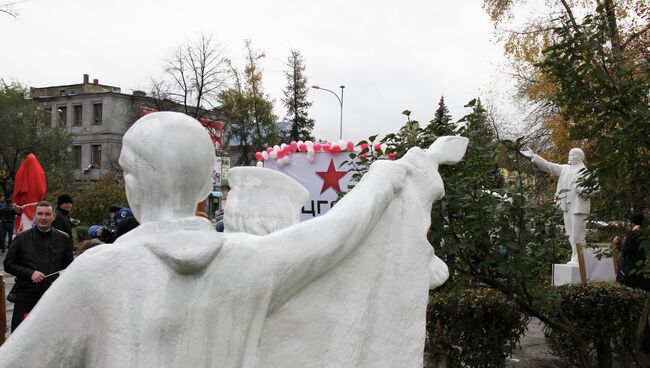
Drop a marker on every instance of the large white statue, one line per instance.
(569, 195)
(175, 293)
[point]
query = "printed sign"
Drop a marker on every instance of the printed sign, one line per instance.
(323, 178)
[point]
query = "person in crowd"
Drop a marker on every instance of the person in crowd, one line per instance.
(87, 244)
(63, 208)
(8, 214)
(36, 258)
(102, 233)
(125, 222)
(631, 254)
(631, 262)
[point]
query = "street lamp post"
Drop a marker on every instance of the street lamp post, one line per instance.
(340, 103)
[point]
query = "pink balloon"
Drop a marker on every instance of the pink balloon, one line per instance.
(269, 149)
(336, 148)
(364, 146)
(326, 147)
(391, 156)
(302, 147)
(377, 146)
(317, 146)
(294, 146)
(281, 153)
(350, 146)
(258, 156)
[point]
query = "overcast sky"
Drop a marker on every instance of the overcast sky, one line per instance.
(390, 55)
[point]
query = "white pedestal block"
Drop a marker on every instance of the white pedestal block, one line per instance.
(565, 274)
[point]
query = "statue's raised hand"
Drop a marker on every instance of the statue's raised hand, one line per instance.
(528, 153)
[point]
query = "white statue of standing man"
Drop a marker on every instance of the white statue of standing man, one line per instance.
(569, 196)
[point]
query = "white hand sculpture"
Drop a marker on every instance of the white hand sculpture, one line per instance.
(528, 153)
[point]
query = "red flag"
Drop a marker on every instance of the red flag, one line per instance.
(29, 188)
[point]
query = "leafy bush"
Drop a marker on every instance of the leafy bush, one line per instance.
(603, 315)
(475, 327)
(91, 200)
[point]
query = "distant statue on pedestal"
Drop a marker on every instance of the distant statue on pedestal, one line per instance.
(347, 289)
(569, 196)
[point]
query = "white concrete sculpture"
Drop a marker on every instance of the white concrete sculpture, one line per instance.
(262, 201)
(569, 195)
(174, 293)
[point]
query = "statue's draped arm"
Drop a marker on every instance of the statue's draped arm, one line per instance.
(298, 255)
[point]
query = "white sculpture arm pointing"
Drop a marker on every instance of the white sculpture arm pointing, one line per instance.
(549, 167)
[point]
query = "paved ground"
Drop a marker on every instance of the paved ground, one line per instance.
(533, 351)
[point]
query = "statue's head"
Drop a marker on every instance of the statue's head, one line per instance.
(576, 156)
(262, 201)
(167, 158)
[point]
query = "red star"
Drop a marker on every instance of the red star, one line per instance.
(331, 178)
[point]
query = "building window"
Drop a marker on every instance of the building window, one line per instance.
(97, 113)
(96, 156)
(46, 115)
(76, 156)
(62, 114)
(78, 114)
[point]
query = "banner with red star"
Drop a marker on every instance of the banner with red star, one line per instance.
(323, 178)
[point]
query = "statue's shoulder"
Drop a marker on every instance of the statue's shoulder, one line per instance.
(110, 254)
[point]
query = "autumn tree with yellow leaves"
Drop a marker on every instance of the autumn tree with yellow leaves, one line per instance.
(586, 67)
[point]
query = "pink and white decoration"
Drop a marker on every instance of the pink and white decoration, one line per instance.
(318, 167)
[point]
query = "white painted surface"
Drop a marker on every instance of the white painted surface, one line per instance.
(564, 274)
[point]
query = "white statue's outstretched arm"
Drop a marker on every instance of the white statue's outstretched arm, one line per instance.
(307, 250)
(549, 167)
(301, 253)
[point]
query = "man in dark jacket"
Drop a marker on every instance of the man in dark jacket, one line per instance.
(631, 253)
(63, 208)
(35, 258)
(8, 214)
(630, 267)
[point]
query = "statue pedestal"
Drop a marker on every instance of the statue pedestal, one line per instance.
(566, 274)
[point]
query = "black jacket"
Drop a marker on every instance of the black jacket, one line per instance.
(631, 253)
(35, 250)
(8, 213)
(62, 222)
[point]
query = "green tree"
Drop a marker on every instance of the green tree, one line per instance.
(295, 98)
(482, 227)
(441, 118)
(234, 103)
(26, 129)
(625, 25)
(260, 105)
(249, 109)
(604, 91)
(92, 199)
